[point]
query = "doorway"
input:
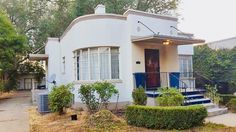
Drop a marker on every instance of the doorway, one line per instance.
(152, 69)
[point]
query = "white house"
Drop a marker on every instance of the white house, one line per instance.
(228, 43)
(120, 49)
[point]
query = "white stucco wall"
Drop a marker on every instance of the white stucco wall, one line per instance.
(158, 25)
(52, 49)
(111, 30)
(94, 33)
(185, 50)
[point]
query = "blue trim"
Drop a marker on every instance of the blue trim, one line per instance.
(174, 79)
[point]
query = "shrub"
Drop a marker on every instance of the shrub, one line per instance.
(170, 97)
(232, 104)
(59, 98)
(87, 95)
(104, 119)
(105, 90)
(139, 96)
(175, 117)
(225, 98)
(211, 92)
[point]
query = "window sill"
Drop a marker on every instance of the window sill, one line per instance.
(93, 81)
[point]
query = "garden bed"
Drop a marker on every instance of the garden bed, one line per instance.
(54, 123)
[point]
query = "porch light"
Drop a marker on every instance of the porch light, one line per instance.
(166, 42)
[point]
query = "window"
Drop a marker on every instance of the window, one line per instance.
(98, 63)
(185, 64)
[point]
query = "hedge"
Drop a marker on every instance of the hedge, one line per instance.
(157, 117)
(232, 105)
(225, 98)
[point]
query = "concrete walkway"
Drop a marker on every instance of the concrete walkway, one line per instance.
(228, 119)
(14, 114)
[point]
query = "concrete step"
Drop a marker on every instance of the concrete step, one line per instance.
(216, 111)
(210, 105)
(197, 101)
(194, 96)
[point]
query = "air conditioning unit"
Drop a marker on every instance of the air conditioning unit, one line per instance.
(43, 104)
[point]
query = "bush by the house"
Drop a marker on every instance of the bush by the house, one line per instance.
(232, 104)
(175, 117)
(87, 96)
(225, 98)
(212, 93)
(139, 96)
(104, 119)
(103, 90)
(170, 97)
(59, 98)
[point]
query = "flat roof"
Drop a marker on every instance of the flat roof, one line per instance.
(176, 40)
(35, 57)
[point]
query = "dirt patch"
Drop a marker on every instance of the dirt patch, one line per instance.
(7, 95)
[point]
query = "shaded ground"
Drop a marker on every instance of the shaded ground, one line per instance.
(228, 119)
(13, 113)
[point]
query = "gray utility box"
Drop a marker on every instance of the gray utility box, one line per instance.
(43, 103)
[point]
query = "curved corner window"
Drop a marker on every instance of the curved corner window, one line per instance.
(98, 63)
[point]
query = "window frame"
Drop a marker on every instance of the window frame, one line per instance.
(78, 53)
(186, 60)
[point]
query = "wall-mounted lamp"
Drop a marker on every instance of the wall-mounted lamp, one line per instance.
(166, 42)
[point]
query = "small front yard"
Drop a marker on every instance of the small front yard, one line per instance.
(52, 122)
(169, 115)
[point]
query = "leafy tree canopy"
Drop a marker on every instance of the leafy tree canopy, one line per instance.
(12, 47)
(39, 19)
(218, 66)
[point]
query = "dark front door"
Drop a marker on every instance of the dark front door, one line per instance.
(152, 68)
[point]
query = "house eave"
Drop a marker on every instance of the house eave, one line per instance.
(175, 40)
(38, 57)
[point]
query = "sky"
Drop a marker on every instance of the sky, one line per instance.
(210, 20)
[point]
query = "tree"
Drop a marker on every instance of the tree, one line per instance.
(12, 46)
(39, 19)
(120, 6)
(216, 65)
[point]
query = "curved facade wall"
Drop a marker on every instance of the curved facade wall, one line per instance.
(98, 32)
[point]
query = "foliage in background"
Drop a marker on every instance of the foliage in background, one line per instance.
(88, 97)
(175, 117)
(139, 96)
(105, 90)
(225, 98)
(170, 97)
(12, 47)
(232, 104)
(218, 66)
(60, 98)
(39, 19)
(96, 96)
(211, 92)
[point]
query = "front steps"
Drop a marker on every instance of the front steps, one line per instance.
(195, 97)
(214, 110)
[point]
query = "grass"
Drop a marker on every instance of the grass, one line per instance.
(52, 122)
